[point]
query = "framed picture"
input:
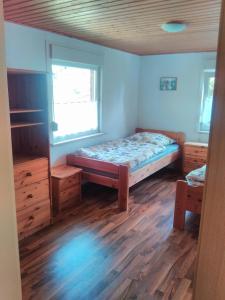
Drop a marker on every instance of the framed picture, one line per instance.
(168, 83)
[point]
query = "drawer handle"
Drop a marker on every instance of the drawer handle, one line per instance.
(29, 196)
(28, 174)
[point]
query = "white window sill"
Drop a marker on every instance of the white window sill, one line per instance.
(78, 139)
(203, 132)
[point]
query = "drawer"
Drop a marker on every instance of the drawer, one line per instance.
(69, 182)
(30, 172)
(70, 202)
(66, 198)
(69, 193)
(195, 151)
(34, 218)
(188, 167)
(31, 194)
(195, 160)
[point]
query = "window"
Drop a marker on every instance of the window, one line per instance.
(75, 101)
(207, 99)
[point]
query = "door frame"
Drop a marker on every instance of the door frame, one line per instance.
(210, 276)
(10, 281)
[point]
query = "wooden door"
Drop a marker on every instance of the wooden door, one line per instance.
(210, 277)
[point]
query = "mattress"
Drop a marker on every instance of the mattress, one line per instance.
(133, 153)
(197, 177)
(168, 150)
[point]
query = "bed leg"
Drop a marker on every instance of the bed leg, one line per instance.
(178, 164)
(180, 202)
(123, 190)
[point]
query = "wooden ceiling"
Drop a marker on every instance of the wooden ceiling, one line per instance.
(129, 25)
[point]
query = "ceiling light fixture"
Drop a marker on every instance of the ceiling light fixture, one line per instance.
(174, 26)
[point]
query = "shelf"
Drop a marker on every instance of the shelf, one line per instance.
(25, 72)
(25, 124)
(21, 158)
(23, 110)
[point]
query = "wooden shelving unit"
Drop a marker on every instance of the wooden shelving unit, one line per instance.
(23, 110)
(24, 124)
(22, 158)
(30, 146)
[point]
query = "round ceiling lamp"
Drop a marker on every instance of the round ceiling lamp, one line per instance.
(174, 26)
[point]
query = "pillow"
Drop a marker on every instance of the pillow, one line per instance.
(196, 177)
(153, 138)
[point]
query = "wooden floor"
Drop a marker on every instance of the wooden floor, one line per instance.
(97, 252)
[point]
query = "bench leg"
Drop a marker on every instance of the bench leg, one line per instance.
(123, 190)
(179, 211)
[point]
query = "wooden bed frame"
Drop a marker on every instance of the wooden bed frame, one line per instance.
(189, 198)
(118, 176)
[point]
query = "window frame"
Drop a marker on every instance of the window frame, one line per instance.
(98, 96)
(209, 73)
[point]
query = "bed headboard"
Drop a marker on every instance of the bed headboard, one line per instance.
(178, 136)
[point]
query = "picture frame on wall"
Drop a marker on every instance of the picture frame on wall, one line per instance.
(168, 83)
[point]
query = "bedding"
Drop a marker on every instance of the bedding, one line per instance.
(135, 151)
(153, 138)
(197, 177)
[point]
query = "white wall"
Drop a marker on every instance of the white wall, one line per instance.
(10, 285)
(173, 110)
(26, 49)
(130, 94)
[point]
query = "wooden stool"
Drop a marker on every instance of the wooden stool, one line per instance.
(66, 187)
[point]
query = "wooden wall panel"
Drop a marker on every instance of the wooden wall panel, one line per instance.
(130, 25)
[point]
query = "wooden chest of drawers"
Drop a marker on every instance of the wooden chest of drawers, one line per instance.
(195, 156)
(32, 196)
(30, 171)
(66, 187)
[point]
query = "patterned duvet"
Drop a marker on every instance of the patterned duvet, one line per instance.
(197, 177)
(127, 151)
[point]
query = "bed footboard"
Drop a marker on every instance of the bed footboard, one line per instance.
(187, 198)
(123, 189)
(104, 173)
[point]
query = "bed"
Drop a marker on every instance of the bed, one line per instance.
(189, 194)
(99, 167)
